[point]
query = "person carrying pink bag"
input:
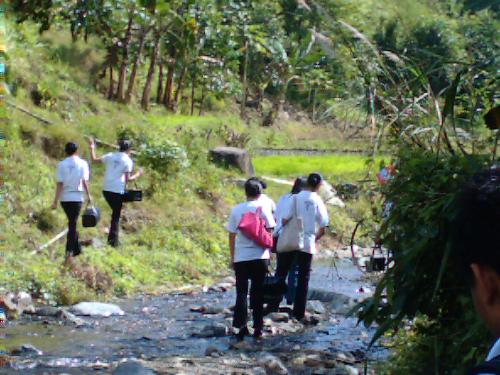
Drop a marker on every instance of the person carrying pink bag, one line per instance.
(249, 256)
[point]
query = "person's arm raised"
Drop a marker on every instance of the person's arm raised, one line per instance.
(93, 155)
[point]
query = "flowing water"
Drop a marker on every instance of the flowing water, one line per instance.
(161, 326)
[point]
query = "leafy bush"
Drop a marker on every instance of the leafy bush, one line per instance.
(46, 220)
(426, 281)
(165, 158)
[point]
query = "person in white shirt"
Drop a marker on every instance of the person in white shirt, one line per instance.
(312, 211)
(475, 241)
(283, 206)
(119, 167)
(249, 261)
(72, 180)
(264, 198)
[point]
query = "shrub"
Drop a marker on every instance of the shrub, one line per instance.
(165, 158)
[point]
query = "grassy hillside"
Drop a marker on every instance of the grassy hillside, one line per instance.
(176, 234)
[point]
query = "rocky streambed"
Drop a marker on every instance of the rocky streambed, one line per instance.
(189, 333)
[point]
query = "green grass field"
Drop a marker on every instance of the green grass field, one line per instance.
(331, 166)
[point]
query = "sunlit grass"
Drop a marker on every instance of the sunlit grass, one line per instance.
(331, 166)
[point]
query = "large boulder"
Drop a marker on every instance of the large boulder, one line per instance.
(96, 309)
(233, 157)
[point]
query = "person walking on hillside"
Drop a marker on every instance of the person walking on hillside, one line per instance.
(308, 206)
(72, 180)
(249, 261)
(119, 167)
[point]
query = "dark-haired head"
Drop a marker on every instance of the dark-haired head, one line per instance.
(262, 183)
(476, 242)
(253, 189)
(299, 185)
(71, 148)
(124, 145)
(314, 181)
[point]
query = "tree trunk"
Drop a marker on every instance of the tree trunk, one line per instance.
(202, 100)
(133, 74)
(169, 85)
(146, 94)
(159, 91)
(180, 86)
(120, 91)
(193, 87)
(111, 88)
(244, 83)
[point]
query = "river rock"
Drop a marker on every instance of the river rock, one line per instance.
(213, 330)
(27, 349)
(211, 350)
(71, 318)
(351, 370)
(214, 310)
(316, 307)
(313, 360)
(337, 301)
(273, 365)
(24, 303)
(50, 311)
(233, 157)
(345, 358)
(97, 309)
(132, 368)
(279, 317)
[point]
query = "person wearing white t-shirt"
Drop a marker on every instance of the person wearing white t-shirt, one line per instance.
(119, 167)
(72, 180)
(264, 198)
(312, 211)
(249, 261)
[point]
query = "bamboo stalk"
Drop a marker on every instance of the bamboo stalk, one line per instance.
(53, 240)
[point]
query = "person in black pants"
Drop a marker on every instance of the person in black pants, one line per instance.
(308, 206)
(119, 166)
(72, 181)
(249, 261)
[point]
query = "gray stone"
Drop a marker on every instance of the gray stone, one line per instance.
(27, 349)
(71, 318)
(350, 370)
(273, 365)
(210, 350)
(213, 310)
(279, 317)
(47, 311)
(316, 307)
(97, 309)
(233, 157)
(336, 301)
(313, 360)
(213, 330)
(132, 368)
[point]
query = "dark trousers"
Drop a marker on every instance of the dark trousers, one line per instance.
(115, 201)
(255, 271)
(72, 211)
(303, 261)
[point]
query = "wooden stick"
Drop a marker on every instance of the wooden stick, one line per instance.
(53, 240)
(41, 119)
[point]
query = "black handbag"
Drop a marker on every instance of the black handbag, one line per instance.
(273, 288)
(91, 216)
(132, 195)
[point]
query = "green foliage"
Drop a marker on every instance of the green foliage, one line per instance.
(165, 157)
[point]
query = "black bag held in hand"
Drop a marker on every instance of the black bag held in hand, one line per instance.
(132, 195)
(273, 288)
(91, 216)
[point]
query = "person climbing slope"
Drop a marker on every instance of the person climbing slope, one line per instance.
(119, 167)
(72, 180)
